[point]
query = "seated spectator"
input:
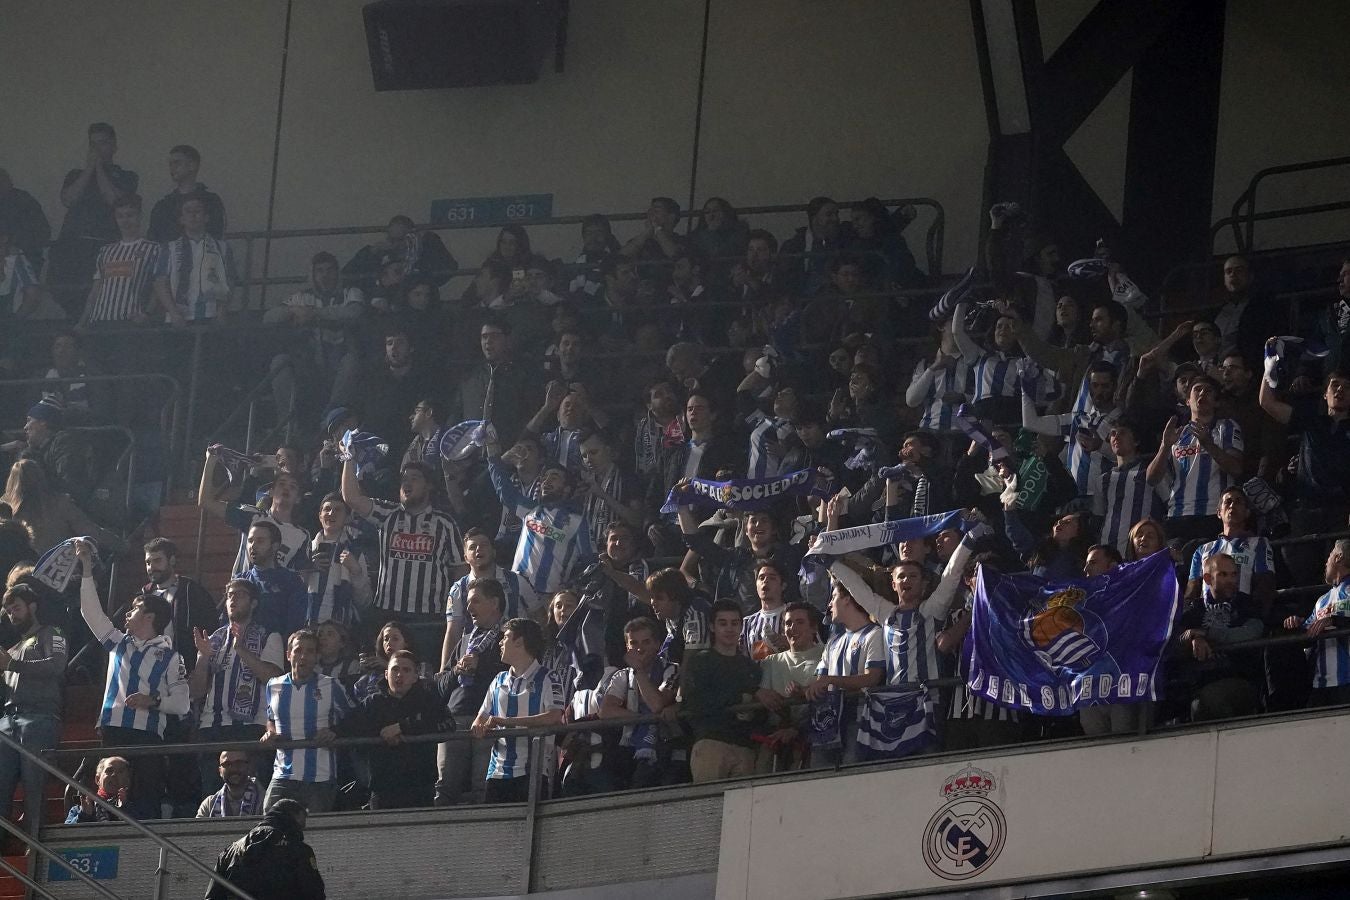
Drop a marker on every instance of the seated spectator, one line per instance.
(1101, 558)
(759, 278)
(83, 403)
(597, 244)
(1202, 459)
(146, 682)
(1228, 685)
(112, 783)
(401, 773)
(711, 682)
(34, 672)
(617, 315)
(199, 267)
(1331, 658)
(466, 680)
(523, 696)
(165, 217)
(88, 194)
(234, 664)
(806, 256)
(64, 455)
(278, 507)
(339, 585)
(657, 240)
(23, 220)
(422, 254)
(645, 687)
(239, 793)
(719, 236)
(49, 517)
(839, 311)
(867, 404)
(21, 296)
(304, 705)
(129, 273)
(1239, 542)
(783, 676)
(324, 363)
(886, 256)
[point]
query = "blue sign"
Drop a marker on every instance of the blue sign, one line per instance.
(491, 210)
(99, 863)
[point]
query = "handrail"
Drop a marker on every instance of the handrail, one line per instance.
(10, 828)
(1248, 196)
(163, 842)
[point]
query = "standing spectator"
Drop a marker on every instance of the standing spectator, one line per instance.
(1322, 482)
(1227, 686)
(128, 272)
(283, 599)
(737, 567)
(764, 631)
(34, 671)
(239, 794)
(304, 705)
(481, 556)
(499, 389)
(1202, 458)
(282, 505)
(192, 605)
(720, 236)
(339, 585)
(597, 243)
(526, 695)
(20, 294)
(22, 218)
(88, 194)
(1125, 495)
(83, 403)
(1246, 319)
(234, 664)
(611, 494)
(1331, 677)
(1266, 439)
(685, 613)
(854, 659)
(427, 424)
(784, 675)
(473, 666)
(146, 682)
(199, 266)
(657, 240)
(646, 687)
(401, 773)
(939, 388)
(184, 163)
(272, 861)
(1253, 556)
(325, 364)
(1086, 455)
(712, 681)
(391, 386)
(419, 551)
(759, 279)
(555, 541)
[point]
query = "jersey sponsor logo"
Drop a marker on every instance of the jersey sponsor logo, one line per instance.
(966, 835)
(545, 530)
(411, 546)
(119, 268)
(1189, 450)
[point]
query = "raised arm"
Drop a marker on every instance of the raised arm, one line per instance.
(1034, 421)
(1159, 465)
(208, 499)
(1276, 408)
(970, 351)
(352, 495)
(939, 602)
(90, 607)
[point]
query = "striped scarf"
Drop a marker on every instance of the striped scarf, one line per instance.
(249, 805)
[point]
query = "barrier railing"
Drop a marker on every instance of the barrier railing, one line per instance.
(1244, 217)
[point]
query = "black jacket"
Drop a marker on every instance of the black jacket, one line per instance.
(420, 711)
(271, 862)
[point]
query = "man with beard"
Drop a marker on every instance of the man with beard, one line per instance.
(34, 669)
(283, 597)
(239, 795)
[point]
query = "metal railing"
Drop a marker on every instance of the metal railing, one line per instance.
(1245, 216)
(166, 846)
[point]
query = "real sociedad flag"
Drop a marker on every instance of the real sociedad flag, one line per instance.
(897, 721)
(825, 720)
(362, 448)
(465, 439)
(235, 463)
(57, 566)
(748, 494)
(1053, 647)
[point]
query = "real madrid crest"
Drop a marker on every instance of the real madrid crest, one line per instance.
(966, 835)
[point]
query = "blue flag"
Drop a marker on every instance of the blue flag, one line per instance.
(829, 544)
(746, 494)
(1052, 647)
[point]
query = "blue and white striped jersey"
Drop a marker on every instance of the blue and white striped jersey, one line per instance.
(1253, 556)
(935, 415)
(516, 589)
(235, 696)
(760, 624)
(298, 712)
(135, 667)
(996, 374)
(123, 274)
(531, 693)
(555, 541)
(1117, 357)
(1197, 480)
(911, 646)
(766, 440)
(623, 687)
(1123, 498)
(15, 275)
(1086, 467)
(854, 652)
(563, 445)
(1332, 658)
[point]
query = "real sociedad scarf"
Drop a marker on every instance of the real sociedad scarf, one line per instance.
(971, 427)
(748, 494)
(830, 544)
(57, 565)
(865, 442)
(466, 439)
(235, 463)
(246, 694)
(364, 449)
(1284, 352)
(250, 804)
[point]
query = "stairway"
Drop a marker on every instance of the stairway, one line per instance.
(219, 545)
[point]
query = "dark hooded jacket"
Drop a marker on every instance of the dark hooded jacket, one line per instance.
(271, 862)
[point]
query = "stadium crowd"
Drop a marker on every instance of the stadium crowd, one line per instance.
(465, 525)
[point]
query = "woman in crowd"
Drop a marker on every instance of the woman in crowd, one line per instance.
(49, 516)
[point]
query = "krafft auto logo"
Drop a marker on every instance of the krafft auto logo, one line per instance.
(966, 835)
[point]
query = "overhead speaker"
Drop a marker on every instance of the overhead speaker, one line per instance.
(424, 44)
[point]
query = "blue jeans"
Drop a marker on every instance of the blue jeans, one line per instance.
(35, 734)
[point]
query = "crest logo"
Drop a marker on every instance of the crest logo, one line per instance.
(967, 834)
